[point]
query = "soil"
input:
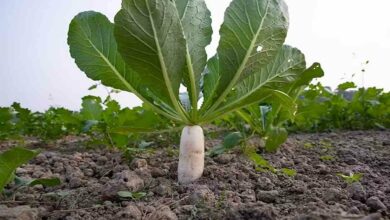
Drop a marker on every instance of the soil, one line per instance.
(230, 188)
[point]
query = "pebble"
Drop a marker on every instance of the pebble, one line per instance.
(18, 213)
(322, 169)
(267, 196)
(264, 183)
(375, 216)
(332, 195)
(157, 172)
(138, 164)
(102, 160)
(163, 213)
(129, 212)
(224, 158)
(357, 192)
(375, 204)
(164, 187)
(40, 159)
(132, 181)
(202, 194)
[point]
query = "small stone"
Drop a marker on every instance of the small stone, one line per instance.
(267, 196)
(248, 195)
(78, 156)
(102, 160)
(375, 216)
(186, 208)
(107, 203)
(202, 194)
(224, 158)
(75, 182)
(88, 172)
(332, 195)
(264, 183)
(350, 160)
(163, 188)
(129, 212)
(322, 169)
(375, 204)
(354, 210)
(124, 181)
(40, 159)
(298, 189)
(157, 172)
(163, 213)
(132, 181)
(18, 213)
(357, 192)
(21, 171)
(139, 163)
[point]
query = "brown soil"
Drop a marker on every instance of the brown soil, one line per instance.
(230, 188)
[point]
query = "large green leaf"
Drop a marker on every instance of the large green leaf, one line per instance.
(288, 64)
(196, 23)
(251, 35)
(12, 159)
(151, 40)
(93, 46)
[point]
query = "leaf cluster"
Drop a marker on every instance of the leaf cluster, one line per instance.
(155, 49)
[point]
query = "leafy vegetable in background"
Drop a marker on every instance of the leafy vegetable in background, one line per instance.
(320, 109)
(157, 46)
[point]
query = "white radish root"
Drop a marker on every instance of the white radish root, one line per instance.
(191, 159)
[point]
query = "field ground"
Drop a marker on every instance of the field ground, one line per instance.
(231, 188)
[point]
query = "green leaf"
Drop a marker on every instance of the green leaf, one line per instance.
(229, 142)
(131, 195)
(12, 159)
(275, 136)
(285, 68)
(304, 79)
(264, 112)
(251, 35)
(346, 85)
(91, 108)
(5, 115)
(45, 182)
(261, 164)
(352, 178)
(150, 39)
(196, 23)
(93, 87)
(92, 45)
(289, 172)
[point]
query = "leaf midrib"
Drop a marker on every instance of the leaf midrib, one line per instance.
(167, 80)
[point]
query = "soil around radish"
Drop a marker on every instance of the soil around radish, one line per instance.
(230, 188)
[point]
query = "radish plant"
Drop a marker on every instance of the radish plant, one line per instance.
(156, 48)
